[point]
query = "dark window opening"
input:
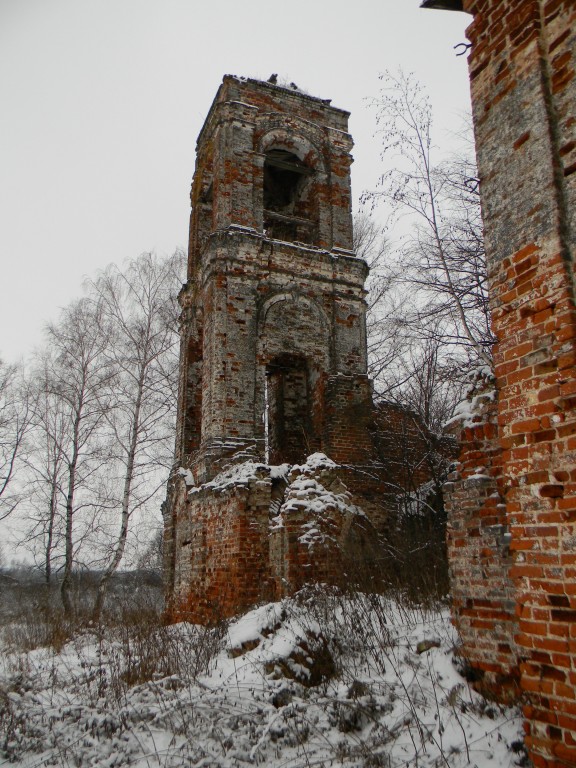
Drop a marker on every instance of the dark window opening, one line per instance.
(283, 175)
(193, 397)
(287, 410)
(286, 211)
(207, 194)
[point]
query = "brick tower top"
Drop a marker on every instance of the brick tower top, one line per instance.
(274, 98)
(273, 160)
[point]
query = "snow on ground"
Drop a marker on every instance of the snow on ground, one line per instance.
(318, 680)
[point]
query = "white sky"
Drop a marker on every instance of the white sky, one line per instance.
(101, 102)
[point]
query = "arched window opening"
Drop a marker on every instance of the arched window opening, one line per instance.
(201, 223)
(287, 212)
(287, 416)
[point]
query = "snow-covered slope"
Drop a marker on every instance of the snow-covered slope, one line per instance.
(318, 680)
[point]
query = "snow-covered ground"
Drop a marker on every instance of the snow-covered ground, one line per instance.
(317, 680)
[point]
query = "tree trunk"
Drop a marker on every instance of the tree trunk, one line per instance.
(69, 541)
(126, 496)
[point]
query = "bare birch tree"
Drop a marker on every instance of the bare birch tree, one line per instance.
(382, 339)
(76, 372)
(432, 319)
(46, 465)
(442, 262)
(15, 417)
(138, 310)
(103, 431)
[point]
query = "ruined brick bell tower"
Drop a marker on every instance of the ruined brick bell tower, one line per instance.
(273, 341)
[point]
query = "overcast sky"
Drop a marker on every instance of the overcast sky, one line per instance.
(101, 102)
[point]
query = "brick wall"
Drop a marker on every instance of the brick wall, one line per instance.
(479, 557)
(522, 67)
(242, 540)
(221, 541)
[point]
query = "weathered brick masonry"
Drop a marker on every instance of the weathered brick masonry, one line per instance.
(512, 538)
(273, 352)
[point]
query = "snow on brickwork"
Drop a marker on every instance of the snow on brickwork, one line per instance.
(255, 532)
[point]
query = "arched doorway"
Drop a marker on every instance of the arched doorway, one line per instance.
(287, 415)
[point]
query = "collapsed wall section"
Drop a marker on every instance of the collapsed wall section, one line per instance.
(221, 536)
(257, 533)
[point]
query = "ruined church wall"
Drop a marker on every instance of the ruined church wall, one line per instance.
(221, 546)
(522, 69)
(258, 533)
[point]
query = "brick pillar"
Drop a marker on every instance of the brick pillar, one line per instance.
(349, 416)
